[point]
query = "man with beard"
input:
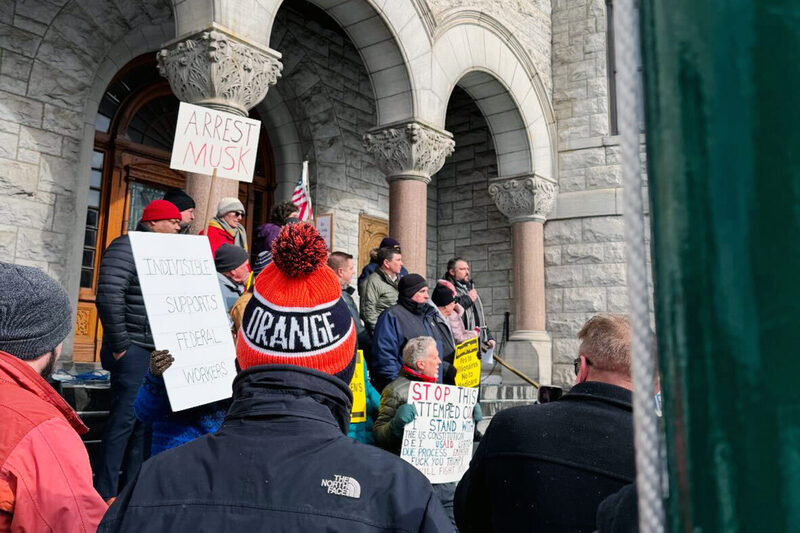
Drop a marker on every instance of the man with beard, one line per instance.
(45, 476)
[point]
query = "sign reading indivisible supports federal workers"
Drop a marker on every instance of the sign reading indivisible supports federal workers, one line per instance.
(187, 316)
(207, 140)
(439, 440)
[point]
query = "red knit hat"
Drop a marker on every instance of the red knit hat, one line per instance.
(296, 315)
(160, 210)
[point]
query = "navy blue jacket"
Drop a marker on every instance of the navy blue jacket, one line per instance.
(280, 462)
(173, 429)
(395, 327)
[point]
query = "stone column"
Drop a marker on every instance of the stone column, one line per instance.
(409, 154)
(526, 200)
(213, 68)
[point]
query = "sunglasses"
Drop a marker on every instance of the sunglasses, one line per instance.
(239, 214)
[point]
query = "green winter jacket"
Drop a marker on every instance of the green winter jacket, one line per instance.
(393, 396)
(380, 293)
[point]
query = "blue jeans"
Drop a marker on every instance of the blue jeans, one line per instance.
(126, 440)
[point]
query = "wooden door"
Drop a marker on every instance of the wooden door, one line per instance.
(114, 208)
(371, 230)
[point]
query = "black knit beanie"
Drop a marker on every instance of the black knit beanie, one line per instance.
(181, 200)
(35, 314)
(442, 296)
(411, 284)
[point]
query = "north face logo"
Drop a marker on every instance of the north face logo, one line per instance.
(343, 486)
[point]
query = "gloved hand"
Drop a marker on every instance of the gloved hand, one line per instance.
(405, 414)
(477, 413)
(160, 360)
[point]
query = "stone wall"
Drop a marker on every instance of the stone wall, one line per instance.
(469, 224)
(584, 248)
(328, 92)
(51, 56)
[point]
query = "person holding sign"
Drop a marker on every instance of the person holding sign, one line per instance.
(420, 363)
(227, 227)
(281, 460)
(172, 429)
(127, 343)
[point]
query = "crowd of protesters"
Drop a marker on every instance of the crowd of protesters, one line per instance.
(281, 453)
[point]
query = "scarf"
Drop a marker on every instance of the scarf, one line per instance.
(238, 233)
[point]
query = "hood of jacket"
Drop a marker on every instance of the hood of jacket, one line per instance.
(293, 391)
(18, 372)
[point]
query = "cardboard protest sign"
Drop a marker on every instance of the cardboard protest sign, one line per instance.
(187, 316)
(439, 441)
(468, 366)
(359, 389)
(207, 140)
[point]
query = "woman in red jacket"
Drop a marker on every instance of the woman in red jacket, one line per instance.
(227, 226)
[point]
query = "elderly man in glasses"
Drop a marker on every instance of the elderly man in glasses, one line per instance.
(547, 467)
(228, 226)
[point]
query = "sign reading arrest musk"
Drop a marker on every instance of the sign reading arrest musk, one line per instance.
(207, 139)
(187, 316)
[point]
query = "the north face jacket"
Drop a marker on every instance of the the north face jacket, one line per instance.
(119, 298)
(281, 462)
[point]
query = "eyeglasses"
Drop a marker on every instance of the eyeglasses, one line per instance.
(577, 364)
(239, 214)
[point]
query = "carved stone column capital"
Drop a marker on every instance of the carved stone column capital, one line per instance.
(524, 198)
(409, 151)
(215, 69)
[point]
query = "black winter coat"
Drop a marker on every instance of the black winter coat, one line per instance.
(119, 298)
(546, 468)
(280, 462)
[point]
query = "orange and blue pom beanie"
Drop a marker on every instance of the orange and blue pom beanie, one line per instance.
(296, 315)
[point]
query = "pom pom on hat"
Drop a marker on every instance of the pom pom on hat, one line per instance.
(296, 315)
(299, 249)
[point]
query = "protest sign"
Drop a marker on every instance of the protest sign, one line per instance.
(468, 366)
(439, 441)
(187, 316)
(357, 386)
(207, 140)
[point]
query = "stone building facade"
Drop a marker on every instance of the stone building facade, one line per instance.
(475, 127)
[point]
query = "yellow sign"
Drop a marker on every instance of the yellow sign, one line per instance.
(467, 363)
(358, 388)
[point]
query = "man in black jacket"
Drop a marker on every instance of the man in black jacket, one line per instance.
(281, 460)
(125, 352)
(547, 467)
(468, 298)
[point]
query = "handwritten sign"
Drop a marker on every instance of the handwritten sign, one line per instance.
(359, 389)
(207, 139)
(438, 442)
(187, 316)
(468, 366)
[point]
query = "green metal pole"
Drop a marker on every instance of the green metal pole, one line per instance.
(722, 85)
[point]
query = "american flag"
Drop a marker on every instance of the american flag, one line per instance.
(301, 197)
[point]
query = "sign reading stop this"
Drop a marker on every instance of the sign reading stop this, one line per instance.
(207, 140)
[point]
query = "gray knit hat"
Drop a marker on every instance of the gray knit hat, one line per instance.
(228, 204)
(35, 314)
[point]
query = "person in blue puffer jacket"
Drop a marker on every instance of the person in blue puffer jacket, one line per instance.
(172, 429)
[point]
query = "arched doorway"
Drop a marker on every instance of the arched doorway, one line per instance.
(134, 130)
